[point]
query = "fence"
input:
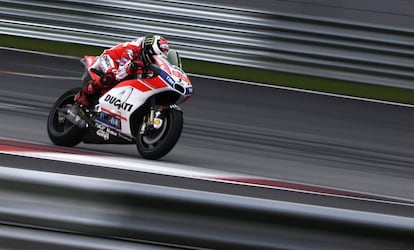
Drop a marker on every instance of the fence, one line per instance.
(73, 212)
(277, 41)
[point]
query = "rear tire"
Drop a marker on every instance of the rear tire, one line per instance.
(62, 132)
(158, 143)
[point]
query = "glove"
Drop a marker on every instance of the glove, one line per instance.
(135, 68)
(108, 79)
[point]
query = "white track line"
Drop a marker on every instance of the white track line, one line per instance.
(39, 53)
(39, 75)
(303, 90)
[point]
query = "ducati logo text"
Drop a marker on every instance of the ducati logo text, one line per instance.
(118, 104)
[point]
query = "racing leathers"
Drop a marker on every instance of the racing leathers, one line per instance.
(117, 63)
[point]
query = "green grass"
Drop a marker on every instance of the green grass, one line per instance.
(302, 81)
(61, 48)
(233, 72)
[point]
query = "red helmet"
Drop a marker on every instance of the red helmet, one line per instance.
(155, 45)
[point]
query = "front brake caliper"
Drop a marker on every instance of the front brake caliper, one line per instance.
(157, 123)
(152, 121)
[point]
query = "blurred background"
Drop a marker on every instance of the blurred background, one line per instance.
(390, 13)
(363, 42)
(299, 134)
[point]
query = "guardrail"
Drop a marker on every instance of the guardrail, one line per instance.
(277, 41)
(80, 210)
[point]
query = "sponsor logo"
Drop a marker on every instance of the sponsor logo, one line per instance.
(149, 41)
(99, 126)
(103, 134)
(118, 103)
(164, 75)
(169, 80)
(109, 120)
(108, 61)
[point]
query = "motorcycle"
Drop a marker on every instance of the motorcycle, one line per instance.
(142, 111)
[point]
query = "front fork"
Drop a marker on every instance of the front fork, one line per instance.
(153, 120)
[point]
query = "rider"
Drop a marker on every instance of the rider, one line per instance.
(122, 61)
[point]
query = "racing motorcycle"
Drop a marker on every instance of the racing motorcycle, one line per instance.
(140, 111)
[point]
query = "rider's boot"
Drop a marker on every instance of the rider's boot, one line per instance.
(90, 88)
(82, 101)
(94, 87)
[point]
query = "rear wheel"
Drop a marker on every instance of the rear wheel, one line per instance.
(62, 132)
(155, 143)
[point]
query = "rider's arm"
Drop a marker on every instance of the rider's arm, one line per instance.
(129, 63)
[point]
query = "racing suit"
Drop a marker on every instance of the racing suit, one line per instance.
(117, 63)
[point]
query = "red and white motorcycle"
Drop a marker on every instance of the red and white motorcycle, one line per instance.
(141, 111)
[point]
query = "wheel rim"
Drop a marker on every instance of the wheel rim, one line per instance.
(153, 138)
(60, 124)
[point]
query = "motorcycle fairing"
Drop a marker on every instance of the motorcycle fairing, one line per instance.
(175, 78)
(122, 101)
(89, 61)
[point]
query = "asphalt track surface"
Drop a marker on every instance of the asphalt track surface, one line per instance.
(261, 131)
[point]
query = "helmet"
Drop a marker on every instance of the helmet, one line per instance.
(155, 45)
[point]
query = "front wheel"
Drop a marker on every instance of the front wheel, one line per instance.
(155, 143)
(62, 132)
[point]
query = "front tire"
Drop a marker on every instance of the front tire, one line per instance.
(62, 132)
(157, 143)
